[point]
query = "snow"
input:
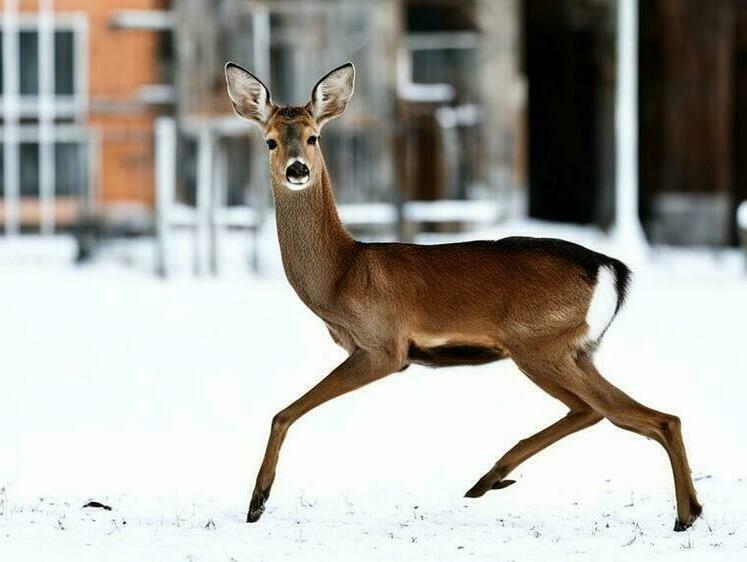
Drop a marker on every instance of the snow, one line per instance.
(155, 398)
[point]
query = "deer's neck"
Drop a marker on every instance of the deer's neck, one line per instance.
(315, 247)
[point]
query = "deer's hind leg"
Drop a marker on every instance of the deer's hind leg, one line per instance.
(580, 416)
(582, 378)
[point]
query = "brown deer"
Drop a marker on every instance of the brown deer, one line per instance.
(544, 303)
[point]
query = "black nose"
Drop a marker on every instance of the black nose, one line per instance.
(297, 171)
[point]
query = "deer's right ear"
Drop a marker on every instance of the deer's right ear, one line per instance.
(249, 96)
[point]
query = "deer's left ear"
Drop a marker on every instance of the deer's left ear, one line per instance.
(330, 96)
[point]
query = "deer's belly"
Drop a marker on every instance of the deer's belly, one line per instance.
(452, 355)
(444, 351)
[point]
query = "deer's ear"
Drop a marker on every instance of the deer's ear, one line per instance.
(249, 96)
(330, 96)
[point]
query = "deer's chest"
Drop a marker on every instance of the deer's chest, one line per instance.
(341, 336)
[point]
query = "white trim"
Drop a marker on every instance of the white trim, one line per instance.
(46, 71)
(165, 147)
(29, 20)
(409, 90)
(61, 133)
(443, 40)
(10, 104)
(628, 231)
(145, 20)
(80, 42)
(205, 159)
(261, 37)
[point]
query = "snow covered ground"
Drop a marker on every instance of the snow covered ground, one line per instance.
(155, 398)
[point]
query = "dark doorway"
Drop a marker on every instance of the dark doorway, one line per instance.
(739, 123)
(689, 95)
(562, 67)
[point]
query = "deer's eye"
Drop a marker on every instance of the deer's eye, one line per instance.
(272, 144)
(312, 140)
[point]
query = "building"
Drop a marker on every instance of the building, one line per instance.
(504, 102)
(77, 110)
(692, 114)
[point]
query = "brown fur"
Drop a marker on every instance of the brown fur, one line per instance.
(390, 305)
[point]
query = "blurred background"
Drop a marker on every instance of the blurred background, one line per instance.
(467, 114)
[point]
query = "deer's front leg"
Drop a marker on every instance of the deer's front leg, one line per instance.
(359, 369)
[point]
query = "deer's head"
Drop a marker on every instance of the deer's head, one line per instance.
(291, 132)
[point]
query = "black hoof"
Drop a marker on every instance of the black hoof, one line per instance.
(680, 525)
(476, 491)
(256, 508)
(479, 489)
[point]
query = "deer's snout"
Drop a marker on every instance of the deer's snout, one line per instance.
(297, 173)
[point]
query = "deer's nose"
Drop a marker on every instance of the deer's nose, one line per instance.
(297, 172)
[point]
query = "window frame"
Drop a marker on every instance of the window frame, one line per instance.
(62, 133)
(65, 106)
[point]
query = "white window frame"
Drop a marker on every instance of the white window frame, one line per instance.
(45, 106)
(63, 133)
(75, 105)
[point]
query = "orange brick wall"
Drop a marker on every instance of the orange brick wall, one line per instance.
(119, 63)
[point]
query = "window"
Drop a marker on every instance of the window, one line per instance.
(70, 168)
(29, 171)
(68, 64)
(64, 63)
(70, 160)
(28, 64)
(67, 167)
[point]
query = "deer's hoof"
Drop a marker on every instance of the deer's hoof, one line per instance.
(478, 490)
(683, 525)
(680, 526)
(483, 486)
(256, 508)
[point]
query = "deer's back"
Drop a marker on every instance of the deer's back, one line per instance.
(475, 294)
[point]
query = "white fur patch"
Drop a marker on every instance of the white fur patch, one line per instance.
(296, 186)
(603, 303)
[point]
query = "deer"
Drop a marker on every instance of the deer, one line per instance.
(544, 303)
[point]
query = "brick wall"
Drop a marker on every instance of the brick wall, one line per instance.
(120, 62)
